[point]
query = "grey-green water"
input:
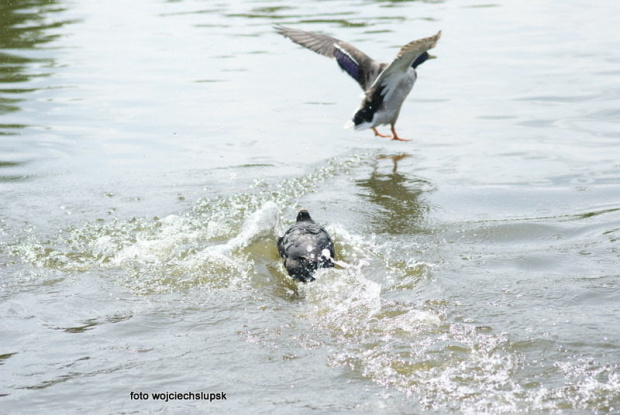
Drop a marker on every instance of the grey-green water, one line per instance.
(151, 151)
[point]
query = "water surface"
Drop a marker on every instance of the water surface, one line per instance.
(151, 152)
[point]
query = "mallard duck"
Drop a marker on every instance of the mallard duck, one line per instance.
(385, 85)
(305, 247)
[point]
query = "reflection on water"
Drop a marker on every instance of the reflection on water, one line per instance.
(400, 201)
(26, 27)
(7, 171)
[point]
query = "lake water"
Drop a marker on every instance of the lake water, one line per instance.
(151, 151)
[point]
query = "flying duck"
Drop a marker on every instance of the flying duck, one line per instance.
(385, 85)
(305, 247)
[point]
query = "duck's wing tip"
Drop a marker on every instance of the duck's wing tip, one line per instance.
(415, 48)
(317, 42)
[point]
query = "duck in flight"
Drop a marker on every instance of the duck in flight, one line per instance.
(385, 85)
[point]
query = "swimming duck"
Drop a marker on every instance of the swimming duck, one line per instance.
(305, 247)
(385, 85)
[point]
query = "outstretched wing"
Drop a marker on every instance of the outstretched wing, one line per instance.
(411, 51)
(317, 42)
(388, 79)
(350, 59)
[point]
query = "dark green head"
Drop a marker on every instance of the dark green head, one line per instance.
(421, 59)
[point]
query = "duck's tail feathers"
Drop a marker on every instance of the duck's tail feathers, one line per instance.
(352, 126)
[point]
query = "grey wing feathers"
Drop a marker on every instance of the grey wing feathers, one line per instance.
(412, 50)
(281, 246)
(303, 241)
(353, 61)
(406, 56)
(317, 42)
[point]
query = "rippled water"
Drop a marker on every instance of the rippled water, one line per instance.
(151, 151)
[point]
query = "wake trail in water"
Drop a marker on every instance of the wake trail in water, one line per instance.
(211, 245)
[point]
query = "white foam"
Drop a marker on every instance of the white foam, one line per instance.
(260, 223)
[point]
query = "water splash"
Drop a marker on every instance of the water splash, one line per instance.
(211, 245)
(366, 317)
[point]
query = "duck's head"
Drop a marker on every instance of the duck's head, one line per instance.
(421, 59)
(303, 215)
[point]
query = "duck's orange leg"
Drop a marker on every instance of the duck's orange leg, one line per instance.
(395, 137)
(378, 134)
